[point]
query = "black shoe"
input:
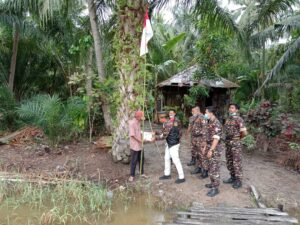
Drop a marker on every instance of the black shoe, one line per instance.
(213, 192)
(237, 184)
(229, 181)
(164, 177)
(179, 181)
(204, 174)
(197, 170)
(192, 162)
(208, 185)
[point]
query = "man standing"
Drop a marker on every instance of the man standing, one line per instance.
(136, 144)
(199, 136)
(172, 133)
(193, 148)
(215, 148)
(234, 130)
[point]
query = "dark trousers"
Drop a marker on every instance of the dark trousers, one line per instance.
(136, 157)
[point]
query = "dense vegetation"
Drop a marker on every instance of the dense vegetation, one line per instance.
(73, 68)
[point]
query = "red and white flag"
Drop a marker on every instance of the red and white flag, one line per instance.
(147, 34)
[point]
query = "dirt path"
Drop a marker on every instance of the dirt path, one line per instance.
(276, 184)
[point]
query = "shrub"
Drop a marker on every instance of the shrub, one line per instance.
(58, 121)
(8, 116)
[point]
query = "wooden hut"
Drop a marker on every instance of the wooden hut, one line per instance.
(171, 92)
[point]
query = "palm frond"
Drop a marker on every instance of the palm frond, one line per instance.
(289, 53)
(269, 10)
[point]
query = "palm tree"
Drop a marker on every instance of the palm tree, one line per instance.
(45, 10)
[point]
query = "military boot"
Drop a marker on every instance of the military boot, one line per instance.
(237, 184)
(197, 170)
(213, 192)
(192, 162)
(208, 185)
(204, 174)
(230, 180)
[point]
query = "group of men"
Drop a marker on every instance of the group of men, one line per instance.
(209, 138)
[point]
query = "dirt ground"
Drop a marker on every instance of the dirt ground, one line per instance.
(277, 184)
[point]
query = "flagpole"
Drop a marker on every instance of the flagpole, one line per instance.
(144, 99)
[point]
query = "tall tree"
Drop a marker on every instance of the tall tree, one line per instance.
(99, 60)
(13, 62)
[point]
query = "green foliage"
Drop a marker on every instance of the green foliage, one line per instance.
(294, 146)
(59, 121)
(212, 52)
(195, 93)
(8, 116)
(249, 142)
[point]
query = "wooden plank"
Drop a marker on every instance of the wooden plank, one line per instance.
(240, 216)
(220, 221)
(248, 217)
(241, 211)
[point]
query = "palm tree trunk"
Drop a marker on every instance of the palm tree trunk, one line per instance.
(99, 61)
(130, 69)
(13, 61)
(89, 89)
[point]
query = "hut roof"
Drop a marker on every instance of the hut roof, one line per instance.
(185, 78)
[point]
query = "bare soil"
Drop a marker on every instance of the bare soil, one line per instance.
(83, 160)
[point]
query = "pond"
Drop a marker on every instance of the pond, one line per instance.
(139, 210)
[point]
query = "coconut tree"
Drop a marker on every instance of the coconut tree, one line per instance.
(45, 11)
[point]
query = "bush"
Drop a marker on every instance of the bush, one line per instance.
(58, 121)
(8, 117)
(249, 142)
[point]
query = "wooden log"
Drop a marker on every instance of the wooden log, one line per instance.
(6, 139)
(257, 197)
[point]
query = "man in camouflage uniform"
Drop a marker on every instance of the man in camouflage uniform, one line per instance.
(199, 136)
(172, 133)
(193, 148)
(215, 148)
(234, 130)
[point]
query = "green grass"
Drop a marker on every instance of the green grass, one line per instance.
(58, 204)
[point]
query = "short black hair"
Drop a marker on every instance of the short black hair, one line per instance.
(172, 110)
(211, 109)
(235, 105)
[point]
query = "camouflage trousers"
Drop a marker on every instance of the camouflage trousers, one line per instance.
(214, 165)
(234, 158)
(198, 144)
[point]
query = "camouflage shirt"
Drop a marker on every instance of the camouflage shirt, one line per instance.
(191, 120)
(233, 127)
(199, 128)
(214, 129)
(167, 126)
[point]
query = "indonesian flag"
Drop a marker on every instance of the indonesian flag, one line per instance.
(147, 34)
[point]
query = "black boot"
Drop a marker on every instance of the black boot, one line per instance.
(179, 181)
(237, 184)
(192, 162)
(208, 185)
(230, 180)
(197, 170)
(164, 177)
(204, 174)
(213, 192)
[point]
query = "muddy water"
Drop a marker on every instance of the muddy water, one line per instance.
(139, 211)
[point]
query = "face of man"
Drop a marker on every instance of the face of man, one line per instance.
(139, 115)
(194, 112)
(232, 109)
(172, 114)
(209, 114)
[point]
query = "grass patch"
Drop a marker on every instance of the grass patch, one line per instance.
(57, 204)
